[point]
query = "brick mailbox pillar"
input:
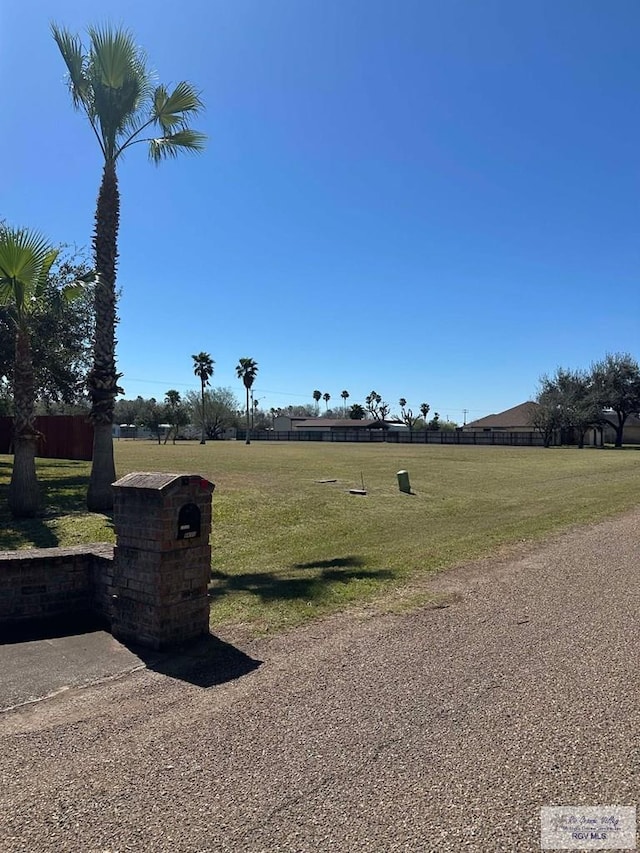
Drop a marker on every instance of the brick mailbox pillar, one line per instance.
(162, 558)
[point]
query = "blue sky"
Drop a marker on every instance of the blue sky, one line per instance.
(436, 200)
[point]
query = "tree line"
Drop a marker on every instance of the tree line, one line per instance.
(577, 400)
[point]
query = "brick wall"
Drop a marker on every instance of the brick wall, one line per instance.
(52, 583)
(151, 588)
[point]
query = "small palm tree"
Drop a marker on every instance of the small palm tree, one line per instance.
(326, 397)
(247, 370)
(111, 84)
(203, 369)
(25, 260)
(345, 397)
(173, 402)
(424, 411)
(317, 396)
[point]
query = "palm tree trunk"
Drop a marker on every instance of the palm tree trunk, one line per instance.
(248, 441)
(103, 379)
(203, 438)
(24, 491)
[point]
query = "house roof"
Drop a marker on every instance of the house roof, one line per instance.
(332, 423)
(517, 416)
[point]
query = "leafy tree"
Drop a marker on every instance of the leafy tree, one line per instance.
(153, 417)
(25, 262)
(6, 402)
(425, 408)
(326, 397)
(434, 423)
(110, 83)
(298, 411)
(203, 369)
(345, 397)
(129, 411)
(317, 396)
(247, 370)
(220, 410)
(176, 413)
(356, 412)
(616, 384)
(61, 334)
(546, 417)
(407, 414)
(571, 395)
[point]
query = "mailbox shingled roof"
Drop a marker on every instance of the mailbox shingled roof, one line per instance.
(153, 481)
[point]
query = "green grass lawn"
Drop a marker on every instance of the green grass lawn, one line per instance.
(286, 547)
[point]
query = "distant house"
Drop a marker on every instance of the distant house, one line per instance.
(516, 419)
(284, 423)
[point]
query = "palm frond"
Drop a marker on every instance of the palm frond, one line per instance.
(75, 289)
(114, 55)
(173, 110)
(118, 81)
(25, 260)
(71, 49)
(170, 146)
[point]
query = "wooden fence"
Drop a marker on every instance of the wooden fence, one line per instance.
(63, 436)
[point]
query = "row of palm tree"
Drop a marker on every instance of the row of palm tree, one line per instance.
(318, 395)
(246, 370)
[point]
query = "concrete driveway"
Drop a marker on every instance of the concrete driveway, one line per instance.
(445, 729)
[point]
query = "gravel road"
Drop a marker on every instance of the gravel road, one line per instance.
(444, 729)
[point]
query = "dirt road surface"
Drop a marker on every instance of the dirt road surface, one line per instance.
(443, 729)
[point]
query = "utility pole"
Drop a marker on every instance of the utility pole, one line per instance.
(465, 412)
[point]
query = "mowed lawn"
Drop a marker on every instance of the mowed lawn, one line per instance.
(287, 547)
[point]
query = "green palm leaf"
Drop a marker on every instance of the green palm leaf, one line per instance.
(172, 110)
(25, 260)
(170, 146)
(71, 49)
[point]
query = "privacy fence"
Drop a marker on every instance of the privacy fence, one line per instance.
(507, 439)
(61, 436)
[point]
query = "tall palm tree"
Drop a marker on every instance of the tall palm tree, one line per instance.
(111, 84)
(25, 260)
(317, 396)
(247, 370)
(326, 397)
(203, 369)
(345, 397)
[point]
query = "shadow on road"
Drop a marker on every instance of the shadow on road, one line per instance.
(204, 663)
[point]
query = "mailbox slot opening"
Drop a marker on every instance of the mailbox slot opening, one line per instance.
(189, 522)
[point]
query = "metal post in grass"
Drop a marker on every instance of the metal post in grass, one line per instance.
(403, 482)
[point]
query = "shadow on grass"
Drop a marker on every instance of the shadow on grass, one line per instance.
(32, 532)
(336, 563)
(64, 492)
(272, 587)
